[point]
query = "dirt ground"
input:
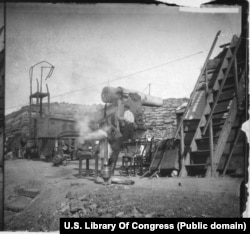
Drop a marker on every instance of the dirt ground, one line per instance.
(63, 194)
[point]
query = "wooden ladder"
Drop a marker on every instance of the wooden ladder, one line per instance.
(218, 117)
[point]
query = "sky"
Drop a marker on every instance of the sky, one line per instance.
(117, 45)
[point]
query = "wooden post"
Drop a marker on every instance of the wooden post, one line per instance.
(183, 171)
(211, 147)
(182, 146)
(210, 169)
(87, 166)
(236, 81)
(96, 166)
(231, 152)
(80, 166)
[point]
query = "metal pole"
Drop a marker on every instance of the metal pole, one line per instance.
(37, 97)
(30, 118)
(48, 99)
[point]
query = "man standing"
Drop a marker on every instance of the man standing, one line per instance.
(115, 141)
(114, 138)
(128, 123)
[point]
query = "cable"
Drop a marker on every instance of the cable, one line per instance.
(132, 74)
(123, 77)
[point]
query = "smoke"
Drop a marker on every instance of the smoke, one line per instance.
(83, 128)
(89, 130)
(96, 135)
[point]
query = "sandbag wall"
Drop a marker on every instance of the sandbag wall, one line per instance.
(162, 121)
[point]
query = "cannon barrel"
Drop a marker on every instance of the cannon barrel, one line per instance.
(110, 95)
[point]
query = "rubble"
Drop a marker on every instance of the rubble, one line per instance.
(156, 198)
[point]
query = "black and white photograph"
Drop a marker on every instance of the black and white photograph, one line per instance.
(122, 110)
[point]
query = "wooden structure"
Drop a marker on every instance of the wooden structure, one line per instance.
(44, 129)
(87, 155)
(37, 109)
(210, 127)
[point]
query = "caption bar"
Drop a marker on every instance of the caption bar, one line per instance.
(178, 225)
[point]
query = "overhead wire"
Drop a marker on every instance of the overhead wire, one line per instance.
(132, 74)
(122, 77)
